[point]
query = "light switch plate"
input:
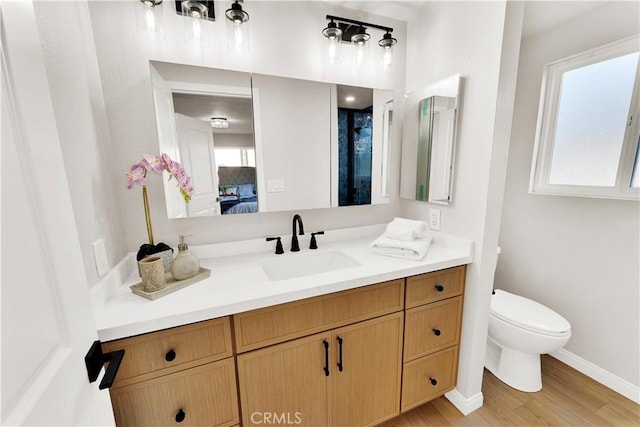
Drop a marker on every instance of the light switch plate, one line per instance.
(434, 219)
(100, 257)
(275, 185)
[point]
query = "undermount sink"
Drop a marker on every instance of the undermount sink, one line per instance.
(298, 265)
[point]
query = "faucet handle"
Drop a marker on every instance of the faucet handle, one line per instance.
(314, 244)
(279, 248)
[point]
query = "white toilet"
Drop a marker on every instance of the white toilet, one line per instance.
(520, 330)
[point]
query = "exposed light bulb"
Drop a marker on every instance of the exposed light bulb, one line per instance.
(332, 50)
(150, 19)
(238, 35)
(360, 54)
(387, 59)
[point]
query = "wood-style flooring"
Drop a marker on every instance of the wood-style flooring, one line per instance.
(567, 398)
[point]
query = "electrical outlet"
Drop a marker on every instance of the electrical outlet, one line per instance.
(100, 257)
(434, 219)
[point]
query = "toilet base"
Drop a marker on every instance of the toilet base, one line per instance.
(514, 368)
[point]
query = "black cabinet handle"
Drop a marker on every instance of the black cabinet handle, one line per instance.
(180, 416)
(439, 288)
(433, 381)
(436, 332)
(340, 367)
(326, 357)
(170, 356)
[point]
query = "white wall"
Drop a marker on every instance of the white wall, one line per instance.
(76, 93)
(479, 40)
(579, 256)
(123, 57)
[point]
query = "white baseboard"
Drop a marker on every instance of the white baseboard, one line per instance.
(606, 378)
(464, 404)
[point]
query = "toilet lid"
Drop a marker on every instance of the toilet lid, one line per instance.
(527, 314)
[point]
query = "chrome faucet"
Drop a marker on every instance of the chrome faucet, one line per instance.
(294, 238)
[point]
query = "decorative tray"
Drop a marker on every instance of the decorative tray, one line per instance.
(172, 285)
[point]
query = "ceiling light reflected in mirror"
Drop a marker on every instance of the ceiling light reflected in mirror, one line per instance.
(219, 122)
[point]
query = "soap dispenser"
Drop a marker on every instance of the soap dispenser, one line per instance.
(185, 265)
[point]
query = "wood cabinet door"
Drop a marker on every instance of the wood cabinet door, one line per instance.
(366, 372)
(287, 383)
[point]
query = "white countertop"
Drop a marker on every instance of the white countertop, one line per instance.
(238, 282)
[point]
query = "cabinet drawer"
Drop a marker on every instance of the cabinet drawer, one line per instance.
(259, 328)
(432, 327)
(426, 378)
(205, 395)
(435, 286)
(159, 353)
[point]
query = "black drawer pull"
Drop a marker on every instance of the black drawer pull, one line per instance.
(436, 332)
(439, 288)
(340, 367)
(326, 357)
(433, 381)
(180, 416)
(170, 356)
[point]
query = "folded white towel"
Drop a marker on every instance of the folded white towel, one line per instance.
(414, 250)
(406, 229)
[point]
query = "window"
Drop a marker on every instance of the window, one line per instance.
(235, 157)
(588, 134)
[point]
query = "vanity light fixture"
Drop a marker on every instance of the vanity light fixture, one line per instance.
(196, 9)
(387, 42)
(333, 35)
(219, 122)
(237, 27)
(149, 18)
(351, 31)
(197, 13)
(236, 14)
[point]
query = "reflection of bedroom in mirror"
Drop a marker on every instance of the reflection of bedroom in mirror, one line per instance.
(225, 145)
(205, 121)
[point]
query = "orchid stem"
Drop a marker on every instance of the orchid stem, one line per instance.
(147, 215)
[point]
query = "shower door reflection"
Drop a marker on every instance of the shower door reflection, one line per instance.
(354, 151)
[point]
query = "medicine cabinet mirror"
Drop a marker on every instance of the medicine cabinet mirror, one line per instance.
(260, 143)
(428, 143)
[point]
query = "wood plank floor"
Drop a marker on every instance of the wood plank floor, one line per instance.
(567, 398)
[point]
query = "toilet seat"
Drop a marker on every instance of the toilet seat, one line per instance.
(527, 314)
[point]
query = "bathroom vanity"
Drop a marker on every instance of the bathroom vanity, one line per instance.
(352, 346)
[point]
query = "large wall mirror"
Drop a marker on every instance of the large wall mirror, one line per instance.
(428, 143)
(260, 143)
